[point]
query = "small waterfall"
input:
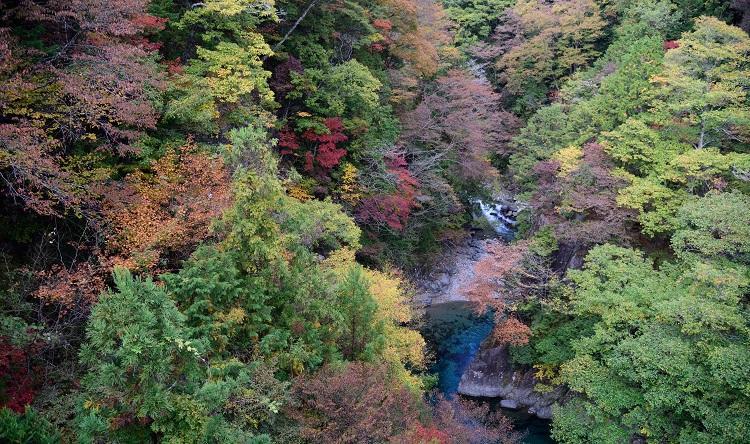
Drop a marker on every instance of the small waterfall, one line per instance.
(500, 216)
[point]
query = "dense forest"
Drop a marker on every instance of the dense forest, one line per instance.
(215, 215)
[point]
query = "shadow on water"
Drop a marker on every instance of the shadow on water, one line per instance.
(454, 333)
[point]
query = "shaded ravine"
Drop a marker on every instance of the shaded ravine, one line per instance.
(455, 332)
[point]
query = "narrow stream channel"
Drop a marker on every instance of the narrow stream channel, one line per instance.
(455, 333)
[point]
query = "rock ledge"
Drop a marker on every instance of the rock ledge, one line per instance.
(490, 375)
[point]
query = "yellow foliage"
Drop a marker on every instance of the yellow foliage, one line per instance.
(298, 193)
(226, 325)
(91, 405)
(548, 376)
(234, 71)
(659, 80)
(340, 261)
(235, 315)
(388, 292)
(569, 158)
(231, 8)
(350, 191)
(88, 168)
(404, 346)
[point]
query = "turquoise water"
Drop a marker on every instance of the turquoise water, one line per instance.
(455, 332)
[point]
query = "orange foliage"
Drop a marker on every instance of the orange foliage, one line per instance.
(488, 286)
(421, 33)
(358, 404)
(79, 285)
(167, 211)
(499, 277)
(511, 331)
(421, 434)
(460, 421)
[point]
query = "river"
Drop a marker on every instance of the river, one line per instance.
(455, 332)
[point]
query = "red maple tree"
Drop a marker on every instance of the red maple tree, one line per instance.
(391, 210)
(327, 154)
(322, 151)
(16, 389)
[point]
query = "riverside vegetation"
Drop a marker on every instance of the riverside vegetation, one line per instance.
(213, 213)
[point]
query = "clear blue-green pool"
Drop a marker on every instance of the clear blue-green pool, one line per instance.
(455, 332)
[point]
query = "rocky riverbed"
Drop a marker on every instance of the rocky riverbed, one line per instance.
(447, 280)
(473, 368)
(494, 221)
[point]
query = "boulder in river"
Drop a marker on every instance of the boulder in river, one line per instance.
(509, 403)
(491, 375)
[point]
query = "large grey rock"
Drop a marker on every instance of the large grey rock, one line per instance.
(509, 403)
(491, 375)
(542, 412)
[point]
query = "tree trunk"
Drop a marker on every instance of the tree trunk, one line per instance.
(296, 23)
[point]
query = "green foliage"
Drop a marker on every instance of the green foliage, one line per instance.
(349, 90)
(225, 82)
(656, 203)
(475, 19)
(544, 243)
(548, 42)
(652, 364)
(640, 149)
(714, 226)
(136, 346)
(321, 226)
(221, 78)
(250, 148)
(147, 377)
(693, 135)
(649, 16)
(265, 220)
(703, 86)
(222, 304)
(346, 89)
(546, 132)
(361, 336)
(552, 337)
(600, 100)
(225, 19)
(270, 240)
(29, 427)
(650, 117)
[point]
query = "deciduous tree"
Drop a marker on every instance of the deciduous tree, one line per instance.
(357, 404)
(677, 370)
(547, 42)
(459, 126)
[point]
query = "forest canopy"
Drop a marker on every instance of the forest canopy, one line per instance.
(215, 216)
